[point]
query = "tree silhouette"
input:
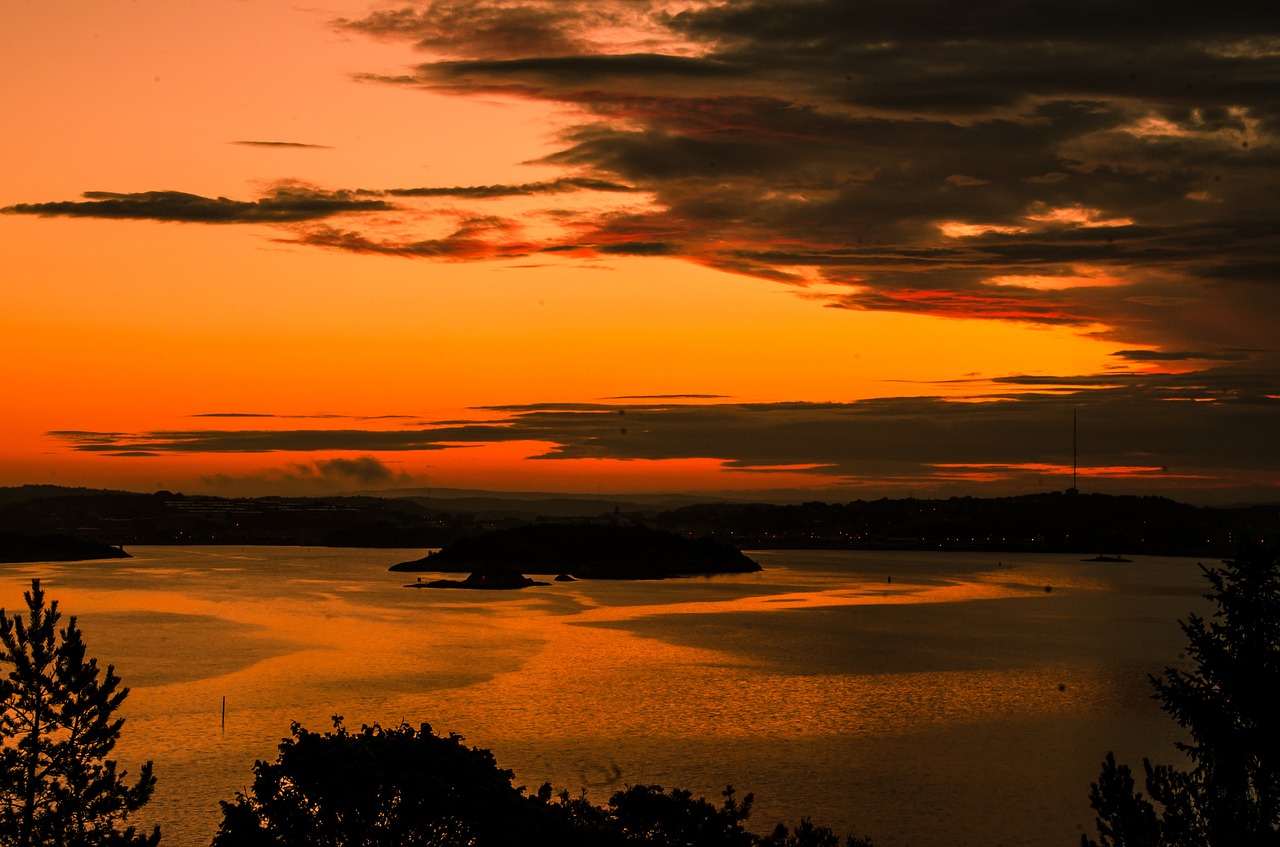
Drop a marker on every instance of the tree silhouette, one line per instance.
(378, 786)
(57, 786)
(404, 786)
(1230, 797)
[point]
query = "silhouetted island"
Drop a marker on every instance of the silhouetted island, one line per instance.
(19, 547)
(585, 551)
(483, 580)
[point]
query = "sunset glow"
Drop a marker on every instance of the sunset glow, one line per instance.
(636, 247)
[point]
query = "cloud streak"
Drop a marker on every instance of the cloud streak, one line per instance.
(283, 144)
(282, 205)
(1147, 428)
(486, 192)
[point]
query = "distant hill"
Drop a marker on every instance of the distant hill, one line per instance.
(585, 551)
(662, 501)
(22, 493)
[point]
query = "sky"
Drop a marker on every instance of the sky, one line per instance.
(772, 248)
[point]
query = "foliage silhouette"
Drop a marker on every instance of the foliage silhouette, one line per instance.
(57, 786)
(403, 786)
(378, 786)
(1231, 795)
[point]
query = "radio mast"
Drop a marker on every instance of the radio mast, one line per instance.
(1074, 455)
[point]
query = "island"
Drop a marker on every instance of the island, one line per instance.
(584, 551)
(483, 580)
(20, 547)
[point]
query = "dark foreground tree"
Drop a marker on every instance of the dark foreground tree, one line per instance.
(1230, 796)
(380, 786)
(57, 786)
(391, 787)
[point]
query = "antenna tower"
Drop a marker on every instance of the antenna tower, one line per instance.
(1074, 454)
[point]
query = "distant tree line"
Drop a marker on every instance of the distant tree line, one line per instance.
(1051, 522)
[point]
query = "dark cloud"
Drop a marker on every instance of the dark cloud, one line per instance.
(476, 29)
(364, 469)
(283, 144)
(485, 192)
(474, 239)
(233, 415)
(317, 476)
(283, 205)
(504, 30)
(669, 397)
(941, 158)
(1179, 356)
(298, 417)
(558, 72)
(1089, 164)
(253, 441)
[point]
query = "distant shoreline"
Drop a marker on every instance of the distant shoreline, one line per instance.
(1053, 522)
(19, 548)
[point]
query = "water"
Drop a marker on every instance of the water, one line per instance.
(967, 701)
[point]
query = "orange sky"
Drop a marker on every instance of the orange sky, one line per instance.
(408, 313)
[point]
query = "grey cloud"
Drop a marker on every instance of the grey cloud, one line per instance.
(575, 71)
(251, 441)
(1135, 140)
(283, 205)
(1129, 151)
(318, 476)
(499, 29)
(1179, 356)
(484, 29)
(943, 55)
(286, 144)
(324, 416)
(669, 397)
(233, 415)
(474, 239)
(484, 192)
(364, 469)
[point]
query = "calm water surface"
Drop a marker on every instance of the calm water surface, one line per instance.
(968, 701)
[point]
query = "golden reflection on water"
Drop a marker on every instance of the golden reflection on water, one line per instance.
(630, 685)
(589, 684)
(879, 595)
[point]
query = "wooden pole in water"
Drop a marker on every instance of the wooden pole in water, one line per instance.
(224, 713)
